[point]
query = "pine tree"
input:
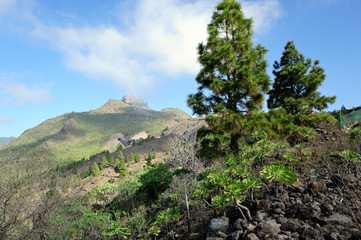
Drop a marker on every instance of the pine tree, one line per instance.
(103, 163)
(120, 155)
(232, 79)
(94, 169)
(122, 169)
(296, 82)
(110, 159)
(136, 157)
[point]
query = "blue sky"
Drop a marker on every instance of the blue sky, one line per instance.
(64, 56)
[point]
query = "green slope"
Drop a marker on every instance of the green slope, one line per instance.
(73, 136)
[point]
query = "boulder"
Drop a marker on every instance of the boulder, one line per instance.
(217, 225)
(339, 219)
(267, 227)
(252, 236)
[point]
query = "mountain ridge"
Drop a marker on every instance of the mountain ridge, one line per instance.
(72, 136)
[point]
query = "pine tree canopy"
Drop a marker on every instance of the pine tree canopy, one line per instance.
(296, 82)
(233, 79)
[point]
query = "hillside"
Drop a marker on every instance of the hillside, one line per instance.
(73, 136)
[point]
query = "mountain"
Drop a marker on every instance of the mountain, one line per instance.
(73, 136)
(5, 140)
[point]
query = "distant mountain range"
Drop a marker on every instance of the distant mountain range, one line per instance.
(73, 136)
(5, 140)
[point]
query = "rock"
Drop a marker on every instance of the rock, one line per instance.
(339, 219)
(278, 204)
(237, 235)
(221, 234)
(251, 236)
(261, 214)
(319, 220)
(268, 227)
(282, 220)
(214, 238)
(299, 187)
(292, 225)
(316, 206)
(316, 213)
(250, 227)
(308, 233)
(326, 208)
(304, 212)
(331, 236)
(239, 224)
(264, 205)
(217, 225)
(356, 234)
(278, 211)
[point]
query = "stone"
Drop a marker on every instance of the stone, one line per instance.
(356, 234)
(292, 225)
(217, 225)
(221, 234)
(237, 235)
(278, 211)
(304, 212)
(308, 233)
(326, 208)
(278, 204)
(319, 220)
(239, 224)
(264, 205)
(251, 236)
(316, 206)
(339, 219)
(299, 187)
(331, 236)
(282, 220)
(268, 227)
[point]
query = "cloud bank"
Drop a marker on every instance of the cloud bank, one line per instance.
(161, 41)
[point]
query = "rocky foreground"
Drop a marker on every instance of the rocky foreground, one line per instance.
(325, 202)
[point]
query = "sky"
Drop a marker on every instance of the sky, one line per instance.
(63, 56)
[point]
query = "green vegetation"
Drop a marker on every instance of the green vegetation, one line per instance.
(94, 169)
(229, 167)
(278, 173)
(73, 136)
(232, 79)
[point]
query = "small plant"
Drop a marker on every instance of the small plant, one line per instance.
(279, 174)
(117, 229)
(164, 221)
(352, 158)
(355, 138)
(289, 157)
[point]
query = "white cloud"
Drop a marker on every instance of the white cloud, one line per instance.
(4, 119)
(161, 41)
(21, 94)
(264, 13)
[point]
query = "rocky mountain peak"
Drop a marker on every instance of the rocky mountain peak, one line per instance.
(133, 101)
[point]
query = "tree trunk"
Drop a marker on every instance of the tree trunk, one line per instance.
(234, 144)
(188, 215)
